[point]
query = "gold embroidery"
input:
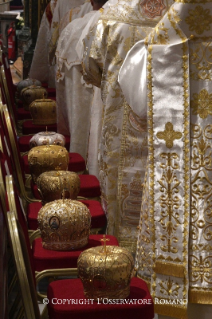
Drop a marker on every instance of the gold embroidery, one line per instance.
(169, 202)
(199, 20)
(201, 60)
(201, 269)
(202, 104)
(153, 8)
(169, 288)
(169, 135)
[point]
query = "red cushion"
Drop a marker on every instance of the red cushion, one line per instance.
(50, 259)
(72, 290)
(22, 114)
(29, 128)
(23, 142)
(89, 186)
(98, 218)
(51, 92)
(76, 162)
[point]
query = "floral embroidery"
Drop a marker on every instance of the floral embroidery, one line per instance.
(202, 104)
(153, 8)
(199, 20)
(169, 135)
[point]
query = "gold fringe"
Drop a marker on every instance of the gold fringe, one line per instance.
(200, 296)
(171, 311)
(169, 269)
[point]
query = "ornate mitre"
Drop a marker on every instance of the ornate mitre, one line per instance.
(32, 93)
(64, 225)
(106, 272)
(58, 184)
(47, 138)
(175, 236)
(47, 158)
(26, 83)
(43, 111)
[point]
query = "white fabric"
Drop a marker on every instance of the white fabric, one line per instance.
(95, 133)
(73, 104)
(62, 7)
(40, 68)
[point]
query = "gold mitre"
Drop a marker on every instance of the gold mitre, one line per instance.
(47, 158)
(26, 83)
(55, 185)
(47, 138)
(31, 94)
(106, 272)
(43, 111)
(64, 225)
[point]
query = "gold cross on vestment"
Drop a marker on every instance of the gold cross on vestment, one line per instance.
(169, 135)
(104, 239)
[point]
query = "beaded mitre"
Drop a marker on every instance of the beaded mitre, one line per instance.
(64, 225)
(55, 185)
(106, 272)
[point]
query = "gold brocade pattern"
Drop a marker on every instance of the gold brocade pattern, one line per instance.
(199, 20)
(169, 202)
(169, 135)
(201, 104)
(201, 60)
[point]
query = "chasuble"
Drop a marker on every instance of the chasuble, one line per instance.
(40, 68)
(171, 86)
(121, 159)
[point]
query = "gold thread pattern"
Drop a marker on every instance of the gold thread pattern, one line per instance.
(199, 20)
(201, 104)
(169, 135)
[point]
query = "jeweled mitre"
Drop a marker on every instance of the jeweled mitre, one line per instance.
(55, 185)
(64, 225)
(47, 138)
(47, 158)
(43, 111)
(106, 272)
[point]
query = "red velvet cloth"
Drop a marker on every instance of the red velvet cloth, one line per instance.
(73, 289)
(23, 142)
(51, 92)
(29, 128)
(98, 218)
(22, 114)
(50, 259)
(76, 163)
(89, 186)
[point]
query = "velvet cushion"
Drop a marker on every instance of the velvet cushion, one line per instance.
(89, 187)
(22, 114)
(50, 259)
(76, 164)
(73, 289)
(23, 142)
(98, 218)
(29, 128)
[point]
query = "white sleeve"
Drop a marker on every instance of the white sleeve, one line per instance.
(132, 78)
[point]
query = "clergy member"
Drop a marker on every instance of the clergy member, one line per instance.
(40, 68)
(170, 77)
(74, 96)
(63, 14)
(121, 161)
